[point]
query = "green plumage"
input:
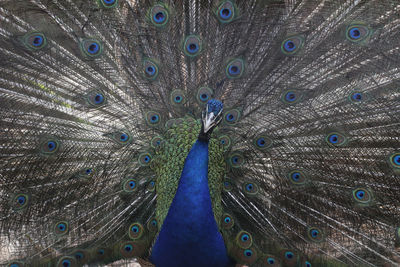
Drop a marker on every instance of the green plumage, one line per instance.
(169, 160)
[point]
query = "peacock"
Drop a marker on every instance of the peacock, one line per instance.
(200, 133)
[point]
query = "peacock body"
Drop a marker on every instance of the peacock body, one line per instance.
(115, 145)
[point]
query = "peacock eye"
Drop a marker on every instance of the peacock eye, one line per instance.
(129, 185)
(395, 160)
(98, 98)
(289, 46)
(159, 15)
(235, 68)
(244, 240)
(204, 94)
(145, 159)
(362, 196)
(151, 186)
(336, 139)
(290, 96)
(132, 184)
(150, 69)
(227, 185)
(95, 98)
(231, 116)
(78, 255)
(227, 221)
(296, 176)
(152, 225)
(91, 48)
(333, 138)
(315, 234)
(127, 249)
(357, 33)
(271, 261)
(124, 137)
(109, 3)
(121, 137)
(153, 118)
(226, 12)
(248, 253)
(61, 228)
(292, 45)
(236, 160)
(135, 231)
(35, 40)
(49, 146)
(225, 141)
(356, 97)
(192, 45)
(20, 201)
(261, 142)
(66, 261)
(289, 255)
(177, 98)
(250, 188)
(156, 141)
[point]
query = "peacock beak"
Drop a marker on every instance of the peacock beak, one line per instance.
(210, 120)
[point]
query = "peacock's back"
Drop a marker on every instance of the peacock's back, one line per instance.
(101, 103)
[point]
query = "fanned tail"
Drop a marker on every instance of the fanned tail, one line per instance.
(99, 105)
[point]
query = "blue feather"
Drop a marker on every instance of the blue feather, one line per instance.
(190, 235)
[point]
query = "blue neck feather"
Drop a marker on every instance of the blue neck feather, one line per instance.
(189, 235)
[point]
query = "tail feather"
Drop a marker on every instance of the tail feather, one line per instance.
(99, 103)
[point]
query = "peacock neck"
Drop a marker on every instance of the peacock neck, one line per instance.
(189, 235)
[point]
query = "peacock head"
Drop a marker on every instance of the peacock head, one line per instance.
(211, 117)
